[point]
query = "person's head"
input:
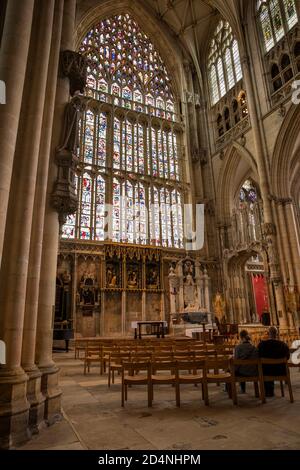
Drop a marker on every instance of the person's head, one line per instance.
(272, 332)
(244, 335)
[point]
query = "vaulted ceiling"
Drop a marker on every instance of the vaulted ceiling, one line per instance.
(189, 20)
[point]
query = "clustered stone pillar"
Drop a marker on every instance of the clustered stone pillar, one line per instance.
(269, 229)
(29, 229)
(34, 395)
(15, 43)
(44, 336)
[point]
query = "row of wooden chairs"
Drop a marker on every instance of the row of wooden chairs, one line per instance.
(101, 354)
(115, 363)
(201, 372)
(81, 344)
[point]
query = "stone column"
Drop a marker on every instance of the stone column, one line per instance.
(279, 220)
(50, 242)
(123, 298)
(144, 293)
(206, 290)
(16, 247)
(261, 160)
(198, 278)
(293, 240)
(34, 395)
(74, 292)
(284, 243)
(173, 286)
(181, 287)
(13, 61)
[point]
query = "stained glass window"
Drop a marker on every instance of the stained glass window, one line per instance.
(215, 96)
(229, 68)
(223, 62)
(123, 62)
(99, 207)
(276, 18)
(86, 205)
(290, 13)
(120, 149)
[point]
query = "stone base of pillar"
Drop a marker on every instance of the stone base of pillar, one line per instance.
(36, 400)
(14, 409)
(52, 394)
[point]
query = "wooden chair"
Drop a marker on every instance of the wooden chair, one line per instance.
(283, 378)
(163, 379)
(131, 377)
(115, 364)
(256, 379)
(80, 345)
(221, 374)
(196, 375)
(92, 354)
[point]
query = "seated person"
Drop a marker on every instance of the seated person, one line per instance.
(273, 348)
(245, 350)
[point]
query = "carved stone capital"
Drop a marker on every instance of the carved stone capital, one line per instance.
(199, 155)
(74, 66)
(284, 201)
(203, 156)
(269, 229)
(209, 207)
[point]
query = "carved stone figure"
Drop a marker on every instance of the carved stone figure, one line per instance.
(73, 113)
(132, 279)
(153, 278)
(189, 281)
(219, 306)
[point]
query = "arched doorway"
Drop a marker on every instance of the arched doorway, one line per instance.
(249, 295)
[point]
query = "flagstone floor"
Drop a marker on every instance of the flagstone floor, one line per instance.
(94, 419)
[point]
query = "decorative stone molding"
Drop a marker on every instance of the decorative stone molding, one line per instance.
(282, 111)
(281, 200)
(234, 133)
(269, 229)
(275, 275)
(199, 155)
(209, 207)
(74, 66)
(64, 198)
(243, 140)
(193, 98)
(195, 155)
(203, 156)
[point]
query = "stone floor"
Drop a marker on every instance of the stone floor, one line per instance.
(94, 418)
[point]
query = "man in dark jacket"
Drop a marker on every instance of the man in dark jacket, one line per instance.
(273, 348)
(245, 350)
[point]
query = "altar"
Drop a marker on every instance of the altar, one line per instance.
(156, 328)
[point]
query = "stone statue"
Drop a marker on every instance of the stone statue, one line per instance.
(73, 114)
(113, 281)
(189, 281)
(153, 278)
(66, 279)
(108, 276)
(88, 296)
(132, 279)
(219, 306)
(66, 295)
(111, 277)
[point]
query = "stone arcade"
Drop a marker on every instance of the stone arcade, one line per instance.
(118, 114)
